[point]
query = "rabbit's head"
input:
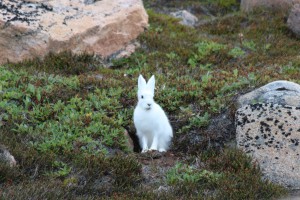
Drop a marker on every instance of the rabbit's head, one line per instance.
(146, 93)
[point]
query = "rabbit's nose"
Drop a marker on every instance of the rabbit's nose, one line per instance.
(149, 104)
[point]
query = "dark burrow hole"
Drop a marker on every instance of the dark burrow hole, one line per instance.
(136, 145)
(219, 132)
(281, 89)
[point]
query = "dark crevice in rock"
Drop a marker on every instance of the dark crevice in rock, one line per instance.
(88, 2)
(282, 89)
(46, 7)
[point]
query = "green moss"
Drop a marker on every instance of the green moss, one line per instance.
(264, 33)
(236, 52)
(223, 174)
(216, 7)
(65, 63)
(8, 173)
(126, 171)
(189, 180)
(240, 173)
(228, 3)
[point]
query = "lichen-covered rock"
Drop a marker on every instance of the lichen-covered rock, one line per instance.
(294, 19)
(277, 92)
(249, 5)
(186, 17)
(270, 133)
(6, 157)
(34, 28)
(268, 129)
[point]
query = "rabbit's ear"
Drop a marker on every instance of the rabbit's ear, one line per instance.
(151, 83)
(141, 82)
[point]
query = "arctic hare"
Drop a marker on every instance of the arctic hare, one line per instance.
(152, 125)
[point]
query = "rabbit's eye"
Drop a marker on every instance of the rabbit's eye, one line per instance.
(142, 96)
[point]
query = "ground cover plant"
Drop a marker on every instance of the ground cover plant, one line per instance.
(64, 118)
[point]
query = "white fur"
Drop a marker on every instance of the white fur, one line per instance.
(152, 125)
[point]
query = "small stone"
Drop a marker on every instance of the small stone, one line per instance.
(162, 189)
(186, 17)
(6, 157)
(293, 21)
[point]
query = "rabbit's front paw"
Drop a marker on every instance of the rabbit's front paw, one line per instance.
(152, 150)
(145, 150)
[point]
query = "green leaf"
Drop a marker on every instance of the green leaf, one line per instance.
(38, 95)
(31, 88)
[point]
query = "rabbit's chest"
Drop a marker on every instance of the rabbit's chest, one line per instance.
(150, 121)
(147, 124)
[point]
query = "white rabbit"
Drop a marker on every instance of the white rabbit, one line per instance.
(152, 125)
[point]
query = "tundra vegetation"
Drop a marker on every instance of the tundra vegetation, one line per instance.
(64, 117)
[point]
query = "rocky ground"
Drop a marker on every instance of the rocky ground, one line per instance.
(66, 130)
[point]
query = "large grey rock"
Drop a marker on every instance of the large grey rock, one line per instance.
(277, 92)
(294, 19)
(283, 5)
(270, 133)
(268, 129)
(34, 28)
(6, 157)
(186, 17)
